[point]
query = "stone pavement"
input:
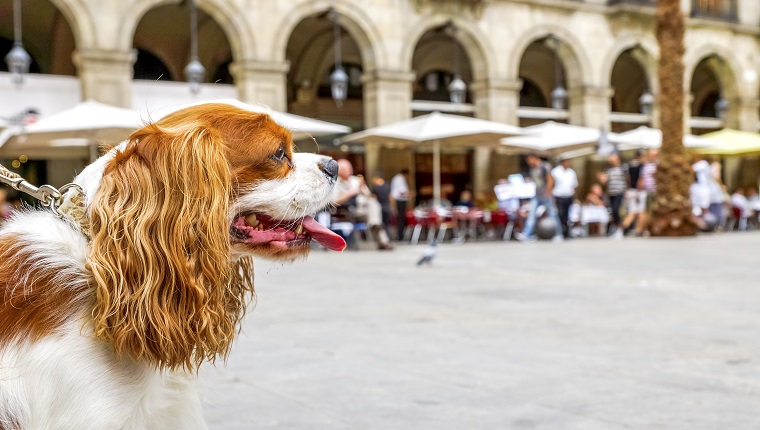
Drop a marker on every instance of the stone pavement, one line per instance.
(588, 334)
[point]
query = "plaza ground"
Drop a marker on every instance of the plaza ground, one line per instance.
(587, 334)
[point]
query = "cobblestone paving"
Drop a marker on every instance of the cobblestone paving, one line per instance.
(587, 334)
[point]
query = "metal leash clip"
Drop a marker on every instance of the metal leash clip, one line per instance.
(47, 194)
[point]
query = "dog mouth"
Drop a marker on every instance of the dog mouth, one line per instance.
(256, 229)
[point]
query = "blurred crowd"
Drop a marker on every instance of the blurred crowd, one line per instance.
(544, 202)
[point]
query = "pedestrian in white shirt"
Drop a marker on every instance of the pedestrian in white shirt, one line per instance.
(565, 183)
(400, 194)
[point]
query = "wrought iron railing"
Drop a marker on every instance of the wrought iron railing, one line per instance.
(724, 10)
(634, 2)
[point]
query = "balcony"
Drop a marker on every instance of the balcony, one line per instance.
(722, 10)
(633, 2)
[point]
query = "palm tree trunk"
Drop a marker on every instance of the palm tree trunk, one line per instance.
(671, 214)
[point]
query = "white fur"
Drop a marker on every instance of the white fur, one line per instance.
(73, 381)
(304, 191)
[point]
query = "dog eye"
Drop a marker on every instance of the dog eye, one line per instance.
(280, 154)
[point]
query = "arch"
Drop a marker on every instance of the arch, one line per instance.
(231, 21)
(352, 18)
(716, 80)
(80, 21)
(647, 51)
(476, 46)
(48, 35)
(574, 57)
(725, 67)
(630, 70)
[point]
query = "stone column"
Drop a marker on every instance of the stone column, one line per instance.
(745, 115)
(262, 82)
(106, 76)
(387, 96)
(590, 106)
(495, 100)
(372, 160)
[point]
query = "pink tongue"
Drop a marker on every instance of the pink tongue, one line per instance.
(323, 235)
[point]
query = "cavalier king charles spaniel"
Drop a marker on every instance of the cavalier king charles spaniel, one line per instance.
(104, 323)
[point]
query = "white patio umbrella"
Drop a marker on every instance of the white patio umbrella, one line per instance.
(552, 138)
(648, 137)
(437, 130)
(78, 131)
(71, 133)
(301, 127)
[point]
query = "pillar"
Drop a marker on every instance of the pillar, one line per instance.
(106, 76)
(497, 100)
(372, 160)
(590, 106)
(262, 82)
(387, 96)
(746, 114)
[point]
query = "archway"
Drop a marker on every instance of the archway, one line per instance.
(541, 70)
(712, 87)
(632, 87)
(47, 37)
(311, 53)
(162, 38)
(438, 57)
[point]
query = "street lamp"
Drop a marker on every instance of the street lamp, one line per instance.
(18, 59)
(339, 77)
(559, 94)
(457, 88)
(646, 102)
(194, 71)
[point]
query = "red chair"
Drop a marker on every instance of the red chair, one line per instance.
(411, 223)
(500, 220)
(424, 219)
(737, 215)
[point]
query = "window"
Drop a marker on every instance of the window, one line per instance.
(714, 9)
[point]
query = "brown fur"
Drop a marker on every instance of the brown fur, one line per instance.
(160, 251)
(37, 295)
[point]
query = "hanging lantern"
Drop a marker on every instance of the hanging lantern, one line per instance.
(646, 102)
(18, 59)
(339, 85)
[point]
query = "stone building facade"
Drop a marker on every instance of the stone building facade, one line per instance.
(400, 55)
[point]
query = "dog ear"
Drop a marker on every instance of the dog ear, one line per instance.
(160, 251)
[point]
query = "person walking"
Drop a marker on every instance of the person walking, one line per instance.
(381, 193)
(565, 183)
(616, 182)
(647, 184)
(540, 174)
(400, 194)
(634, 197)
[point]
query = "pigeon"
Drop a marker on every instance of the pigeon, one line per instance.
(428, 254)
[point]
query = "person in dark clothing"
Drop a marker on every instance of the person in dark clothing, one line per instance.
(382, 192)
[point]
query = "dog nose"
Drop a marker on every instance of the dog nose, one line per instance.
(329, 168)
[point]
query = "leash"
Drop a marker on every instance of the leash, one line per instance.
(66, 203)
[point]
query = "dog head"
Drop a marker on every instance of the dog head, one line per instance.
(175, 216)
